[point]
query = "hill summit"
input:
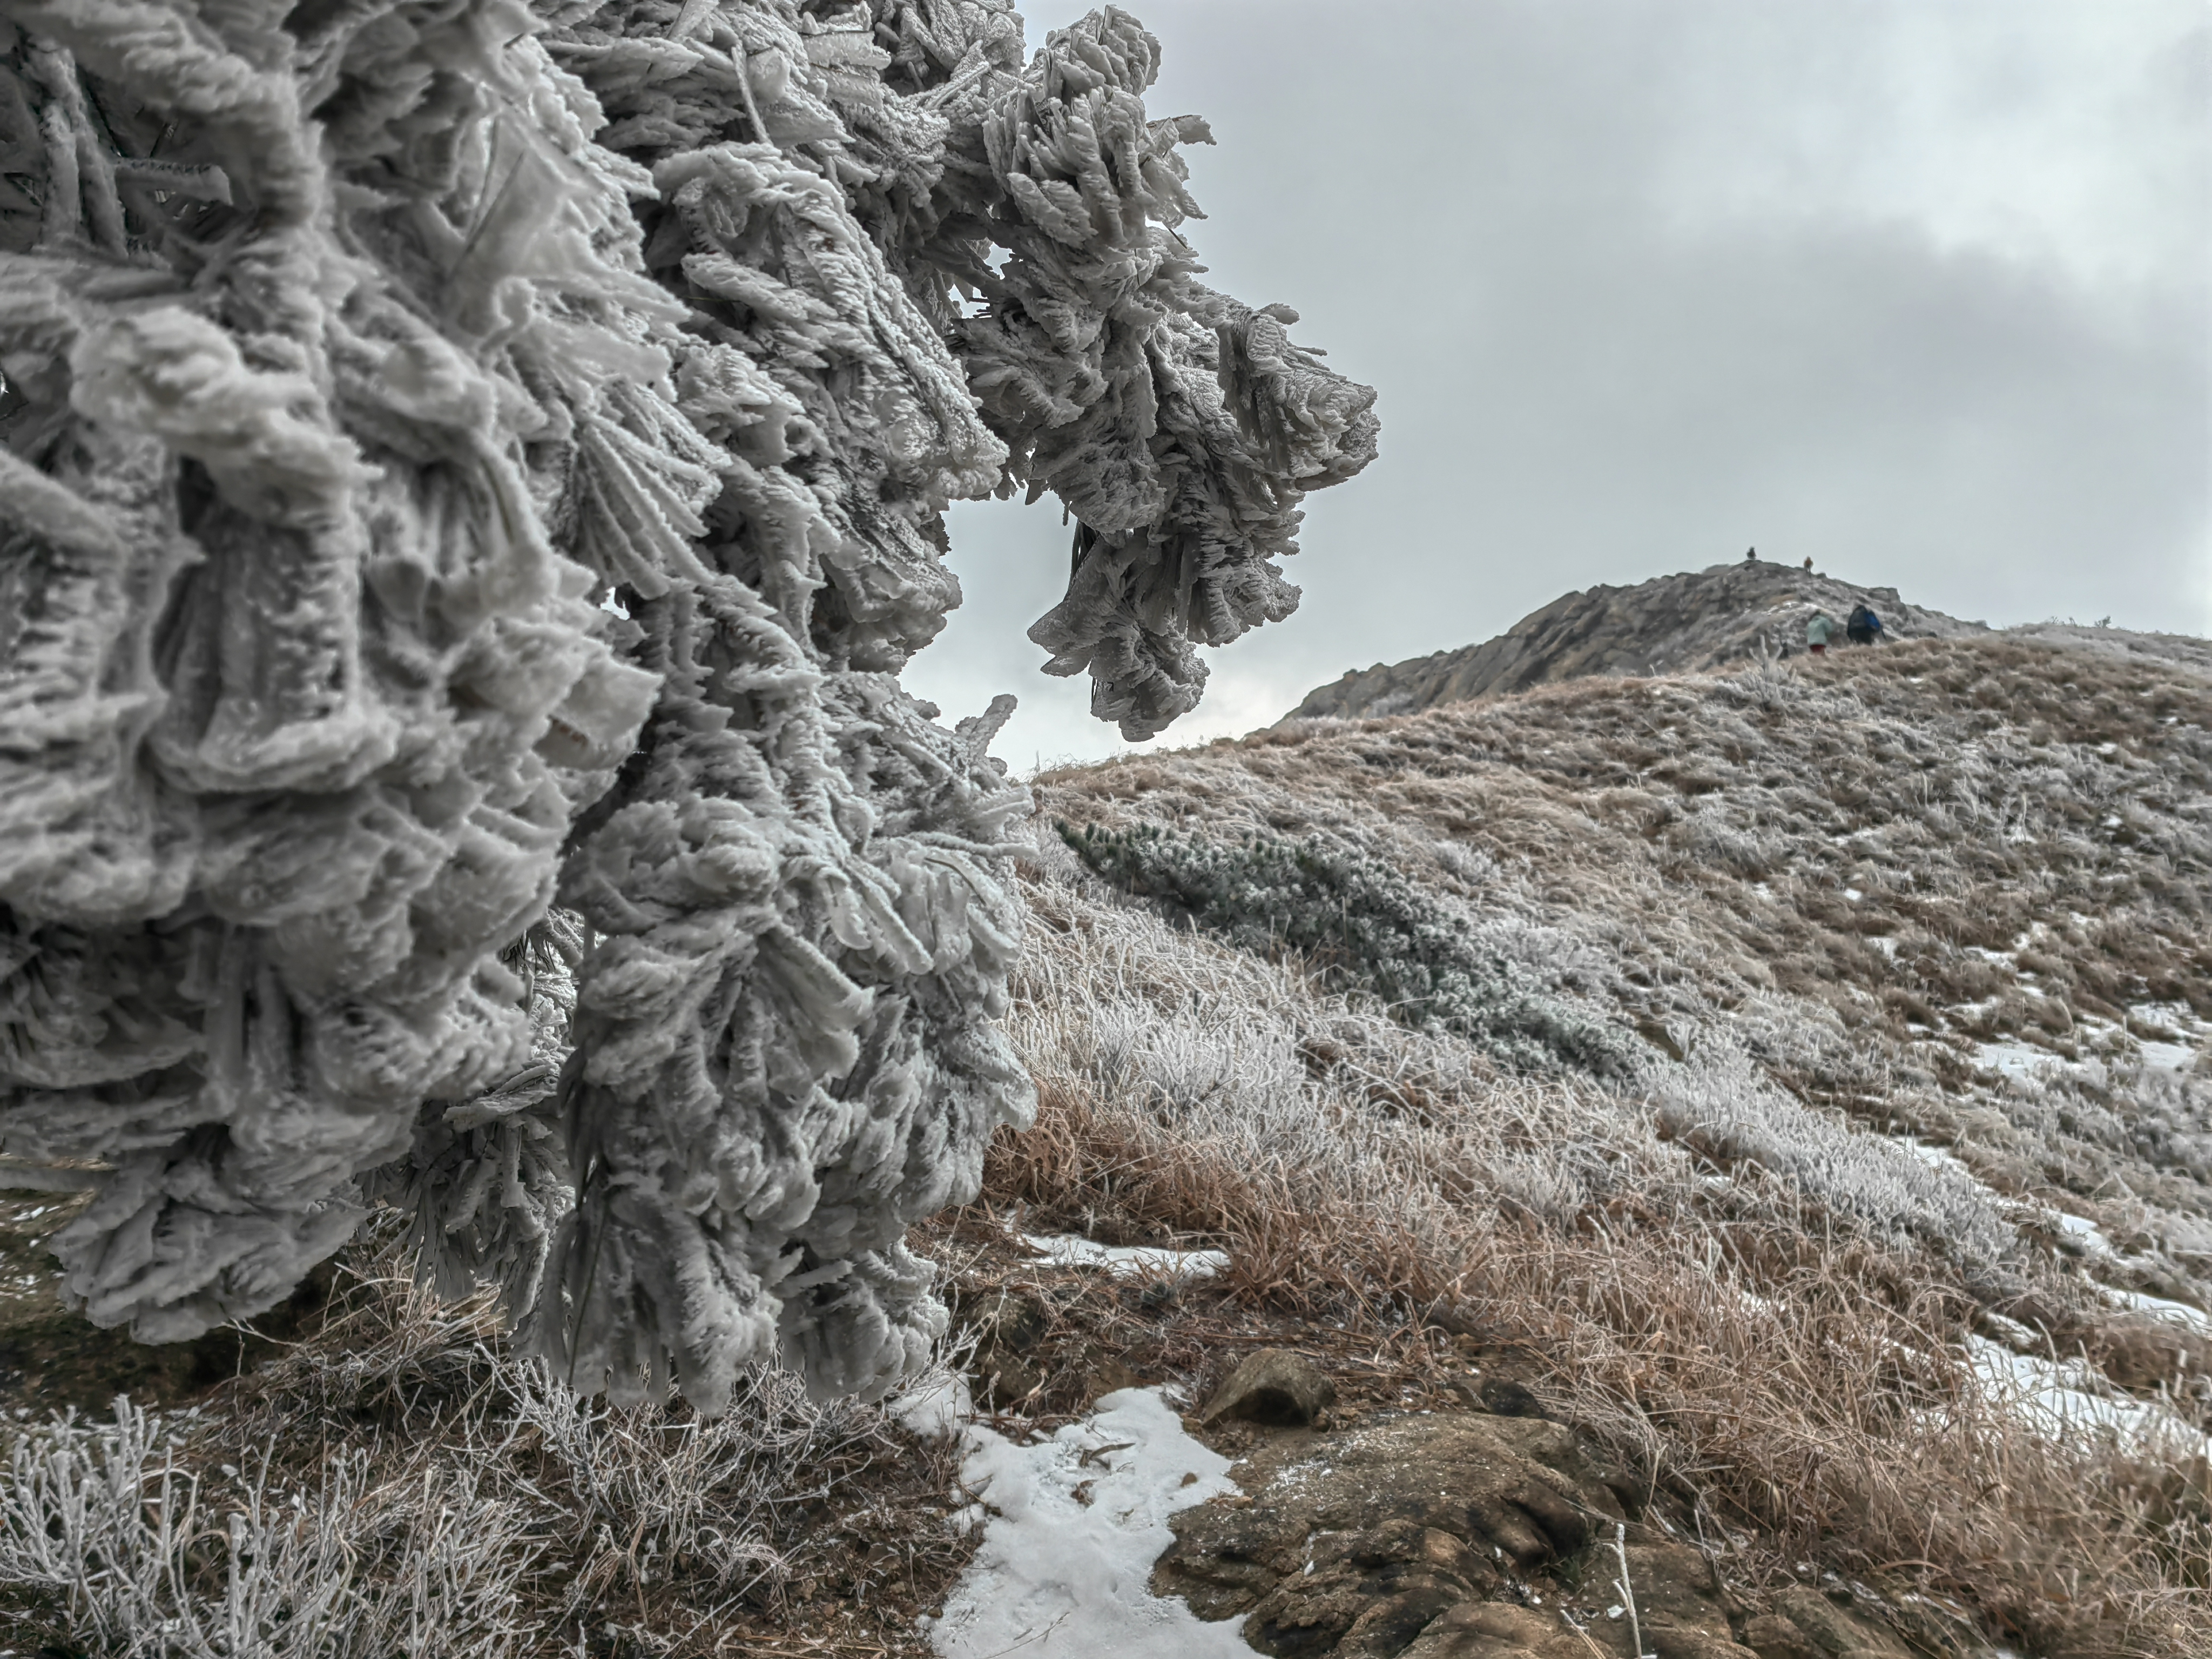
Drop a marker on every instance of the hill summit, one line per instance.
(1701, 619)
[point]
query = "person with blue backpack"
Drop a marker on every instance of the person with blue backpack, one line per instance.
(1863, 626)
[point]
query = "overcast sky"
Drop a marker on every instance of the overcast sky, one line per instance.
(1920, 288)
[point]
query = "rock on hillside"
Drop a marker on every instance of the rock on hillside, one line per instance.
(1728, 613)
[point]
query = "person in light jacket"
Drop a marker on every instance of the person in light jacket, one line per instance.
(1818, 629)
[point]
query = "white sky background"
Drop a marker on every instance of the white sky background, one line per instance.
(1920, 288)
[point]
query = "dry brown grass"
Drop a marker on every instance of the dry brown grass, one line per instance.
(1864, 869)
(1797, 1389)
(1964, 784)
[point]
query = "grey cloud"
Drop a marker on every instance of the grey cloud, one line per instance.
(1602, 354)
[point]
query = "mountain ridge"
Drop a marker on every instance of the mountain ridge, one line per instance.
(1689, 622)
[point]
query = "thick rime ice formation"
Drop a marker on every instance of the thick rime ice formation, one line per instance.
(462, 458)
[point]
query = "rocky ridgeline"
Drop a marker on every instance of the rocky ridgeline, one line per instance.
(1672, 624)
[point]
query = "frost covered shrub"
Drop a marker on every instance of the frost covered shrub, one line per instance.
(458, 452)
(1367, 927)
(402, 1483)
(1707, 835)
(108, 1527)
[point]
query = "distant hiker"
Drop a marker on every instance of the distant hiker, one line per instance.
(1751, 556)
(1809, 562)
(1863, 628)
(1817, 631)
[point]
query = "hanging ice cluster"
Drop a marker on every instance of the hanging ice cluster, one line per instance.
(471, 475)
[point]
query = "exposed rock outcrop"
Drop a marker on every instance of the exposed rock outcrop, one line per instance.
(1472, 1536)
(1352, 1543)
(1273, 1386)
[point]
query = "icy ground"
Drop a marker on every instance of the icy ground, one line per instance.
(2063, 1398)
(1073, 1522)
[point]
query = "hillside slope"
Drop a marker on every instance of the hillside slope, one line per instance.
(1919, 885)
(1909, 949)
(1726, 614)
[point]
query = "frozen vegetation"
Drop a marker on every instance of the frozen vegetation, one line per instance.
(470, 476)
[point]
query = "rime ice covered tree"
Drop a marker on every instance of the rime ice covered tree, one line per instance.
(470, 476)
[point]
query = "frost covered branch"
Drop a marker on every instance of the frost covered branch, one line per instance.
(458, 457)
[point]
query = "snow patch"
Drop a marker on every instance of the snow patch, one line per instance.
(1076, 1522)
(1940, 1157)
(935, 1407)
(2061, 1400)
(2168, 1056)
(2158, 1307)
(2191, 1036)
(2086, 1235)
(1125, 1262)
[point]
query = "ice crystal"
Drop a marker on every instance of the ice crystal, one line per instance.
(471, 475)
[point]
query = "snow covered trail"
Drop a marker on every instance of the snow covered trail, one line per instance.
(1076, 1522)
